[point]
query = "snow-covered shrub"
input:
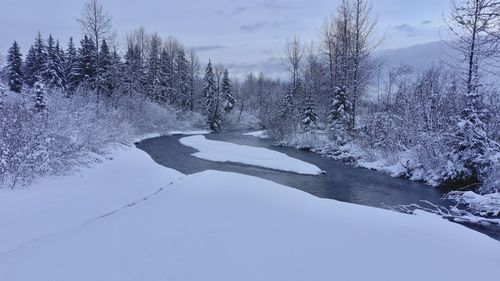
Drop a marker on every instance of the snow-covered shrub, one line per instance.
(72, 129)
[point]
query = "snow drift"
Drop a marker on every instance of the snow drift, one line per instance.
(256, 156)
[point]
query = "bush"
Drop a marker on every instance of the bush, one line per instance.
(37, 144)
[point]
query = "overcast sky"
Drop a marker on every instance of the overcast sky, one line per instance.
(246, 35)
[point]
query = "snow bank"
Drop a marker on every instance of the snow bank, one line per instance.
(487, 204)
(256, 156)
(258, 134)
(223, 226)
(60, 203)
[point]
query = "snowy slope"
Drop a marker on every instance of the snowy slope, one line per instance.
(223, 226)
(418, 56)
(60, 203)
(230, 152)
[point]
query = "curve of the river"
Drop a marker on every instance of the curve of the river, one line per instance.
(341, 182)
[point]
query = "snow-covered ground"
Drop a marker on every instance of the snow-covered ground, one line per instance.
(258, 134)
(61, 203)
(222, 226)
(256, 156)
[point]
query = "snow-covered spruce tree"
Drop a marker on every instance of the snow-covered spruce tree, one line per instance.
(53, 70)
(194, 68)
(475, 25)
(165, 75)
(288, 105)
(35, 62)
(227, 96)
(182, 79)
(116, 74)
(86, 69)
(309, 118)
(153, 63)
(39, 104)
(70, 65)
(134, 68)
(14, 68)
(211, 99)
(104, 69)
(339, 118)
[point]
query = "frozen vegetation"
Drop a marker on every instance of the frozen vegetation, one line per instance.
(74, 132)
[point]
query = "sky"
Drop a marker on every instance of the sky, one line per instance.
(244, 35)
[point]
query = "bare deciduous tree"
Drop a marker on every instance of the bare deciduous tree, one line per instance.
(293, 58)
(475, 25)
(96, 23)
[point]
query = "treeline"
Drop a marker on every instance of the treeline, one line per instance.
(161, 70)
(61, 105)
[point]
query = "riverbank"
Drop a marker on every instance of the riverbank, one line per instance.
(466, 205)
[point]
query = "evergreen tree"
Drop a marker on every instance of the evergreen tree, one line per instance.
(310, 117)
(339, 115)
(29, 67)
(86, 69)
(61, 58)
(211, 99)
(166, 77)
(14, 68)
(35, 62)
(287, 105)
(52, 72)
(227, 96)
(104, 69)
(115, 72)
(134, 69)
(39, 98)
(182, 79)
(70, 67)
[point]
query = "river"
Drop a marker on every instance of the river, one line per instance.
(341, 182)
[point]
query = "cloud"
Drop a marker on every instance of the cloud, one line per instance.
(259, 25)
(425, 22)
(253, 27)
(236, 11)
(276, 5)
(209, 48)
(409, 29)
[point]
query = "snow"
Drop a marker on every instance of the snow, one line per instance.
(224, 226)
(487, 204)
(147, 136)
(198, 132)
(256, 156)
(258, 134)
(60, 203)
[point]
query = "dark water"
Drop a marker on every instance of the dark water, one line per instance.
(341, 181)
